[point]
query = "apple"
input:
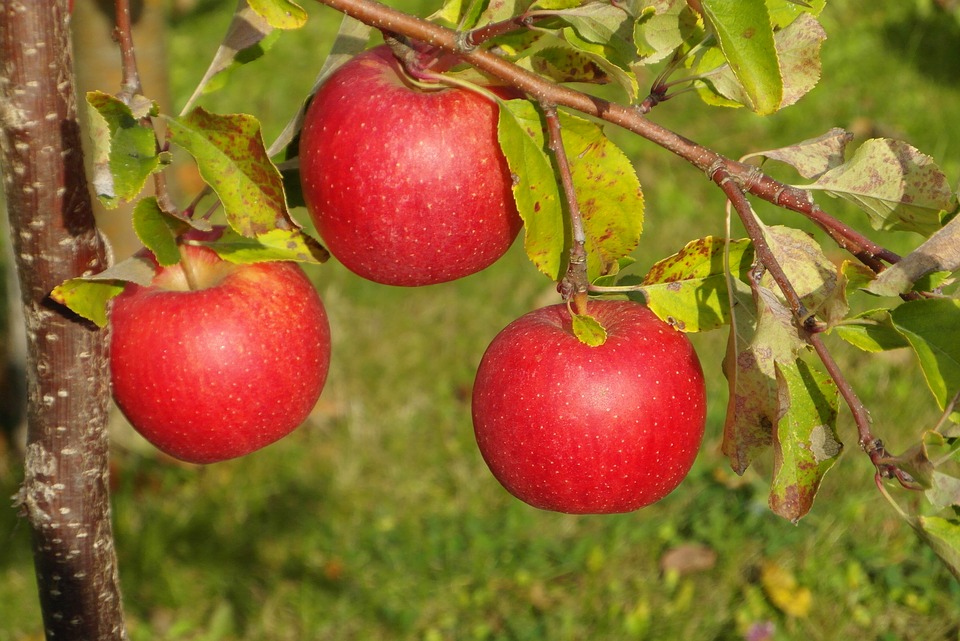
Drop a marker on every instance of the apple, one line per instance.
(222, 363)
(406, 185)
(590, 430)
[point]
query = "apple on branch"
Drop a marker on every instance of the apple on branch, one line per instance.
(405, 183)
(214, 360)
(573, 428)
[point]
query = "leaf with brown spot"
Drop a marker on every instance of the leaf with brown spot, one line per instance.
(689, 289)
(535, 189)
(762, 334)
(805, 442)
(232, 159)
(608, 192)
(814, 157)
(898, 187)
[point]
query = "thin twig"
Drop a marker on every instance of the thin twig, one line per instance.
(130, 82)
(130, 87)
(574, 285)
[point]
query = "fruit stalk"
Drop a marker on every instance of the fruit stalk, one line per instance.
(64, 497)
(574, 284)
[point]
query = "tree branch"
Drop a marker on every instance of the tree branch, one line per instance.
(64, 496)
(574, 285)
(631, 118)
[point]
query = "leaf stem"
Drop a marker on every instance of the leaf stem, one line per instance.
(574, 284)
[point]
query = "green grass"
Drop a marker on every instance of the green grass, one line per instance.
(379, 520)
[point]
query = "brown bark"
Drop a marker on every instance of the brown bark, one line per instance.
(65, 495)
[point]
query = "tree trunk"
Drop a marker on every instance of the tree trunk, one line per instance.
(65, 496)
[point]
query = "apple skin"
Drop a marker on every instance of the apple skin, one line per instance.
(215, 373)
(406, 186)
(590, 430)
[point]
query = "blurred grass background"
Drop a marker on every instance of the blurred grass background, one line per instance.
(379, 520)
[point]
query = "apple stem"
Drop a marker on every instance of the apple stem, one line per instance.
(188, 272)
(574, 284)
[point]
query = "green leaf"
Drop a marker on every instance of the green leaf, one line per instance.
(535, 187)
(277, 244)
(88, 296)
(762, 335)
(798, 52)
(663, 28)
(608, 193)
(125, 151)
(232, 159)
(745, 34)
(871, 331)
(896, 185)
(158, 230)
(689, 289)
(784, 12)
(280, 14)
(939, 253)
(604, 24)
(814, 157)
(943, 537)
(588, 329)
(806, 444)
(932, 327)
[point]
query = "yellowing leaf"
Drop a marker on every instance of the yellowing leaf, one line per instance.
(689, 288)
(232, 159)
(280, 14)
(940, 252)
(761, 335)
(535, 187)
(814, 157)
(277, 244)
(897, 186)
(784, 592)
(608, 193)
(589, 330)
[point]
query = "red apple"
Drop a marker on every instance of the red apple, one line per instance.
(406, 186)
(579, 429)
(221, 366)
